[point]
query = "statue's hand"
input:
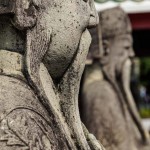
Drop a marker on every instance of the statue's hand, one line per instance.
(92, 141)
(94, 144)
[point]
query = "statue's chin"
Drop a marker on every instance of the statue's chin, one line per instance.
(58, 64)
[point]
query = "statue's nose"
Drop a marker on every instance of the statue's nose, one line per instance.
(94, 18)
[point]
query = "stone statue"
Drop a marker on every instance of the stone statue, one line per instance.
(109, 111)
(43, 47)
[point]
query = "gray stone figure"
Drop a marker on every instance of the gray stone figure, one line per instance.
(109, 111)
(43, 47)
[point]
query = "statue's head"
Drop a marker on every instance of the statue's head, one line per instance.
(49, 26)
(116, 37)
(25, 13)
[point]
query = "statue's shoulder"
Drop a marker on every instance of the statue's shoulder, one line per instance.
(105, 91)
(24, 122)
(15, 93)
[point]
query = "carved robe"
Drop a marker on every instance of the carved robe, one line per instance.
(24, 122)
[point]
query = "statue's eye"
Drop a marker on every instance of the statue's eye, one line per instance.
(127, 47)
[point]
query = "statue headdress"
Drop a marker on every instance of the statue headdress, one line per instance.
(114, 22)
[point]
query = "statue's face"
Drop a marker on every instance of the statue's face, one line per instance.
(68, 19)
(121, 50)
(56, 27)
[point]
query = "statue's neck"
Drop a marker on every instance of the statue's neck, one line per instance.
(11, 64)
(10, 38)
(93, 73)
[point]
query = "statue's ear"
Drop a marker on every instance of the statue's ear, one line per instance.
(25, 14)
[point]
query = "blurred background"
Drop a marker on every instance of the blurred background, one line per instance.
(139, 13)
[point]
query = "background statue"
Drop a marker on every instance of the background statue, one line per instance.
(108, 109)
(43, 47)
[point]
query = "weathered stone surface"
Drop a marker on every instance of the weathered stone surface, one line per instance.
(43, 47)
(109, 111)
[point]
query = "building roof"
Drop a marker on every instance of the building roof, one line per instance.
(103, 1)
(130, 6)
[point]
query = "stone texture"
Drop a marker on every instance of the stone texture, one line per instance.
(43, 47)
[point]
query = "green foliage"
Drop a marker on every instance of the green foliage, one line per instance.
(145, 112)
(145, 65)
(145, 70)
